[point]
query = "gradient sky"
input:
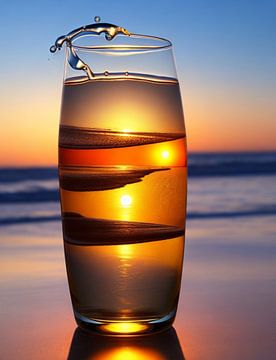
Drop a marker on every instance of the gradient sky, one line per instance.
(225, 53)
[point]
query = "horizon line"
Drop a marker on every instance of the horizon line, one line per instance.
(225, 152)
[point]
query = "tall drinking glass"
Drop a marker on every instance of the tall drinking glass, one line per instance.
(122, 173)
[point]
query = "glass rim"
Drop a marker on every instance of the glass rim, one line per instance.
(157, 44)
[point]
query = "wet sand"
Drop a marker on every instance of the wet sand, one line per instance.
(81, 230)
(226, 309)
(74, 137)
(96, 179)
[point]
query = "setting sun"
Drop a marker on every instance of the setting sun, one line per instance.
(165, 154)
(125, 251)
(126, 200)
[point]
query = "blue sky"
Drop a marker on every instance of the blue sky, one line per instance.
(238, 35)
(225, 50)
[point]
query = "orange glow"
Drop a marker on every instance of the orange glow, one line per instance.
(125, 251)
(124, 328)
(131, 201)
(225, 121)
(29, 130)
(129, 353)
(170, 153)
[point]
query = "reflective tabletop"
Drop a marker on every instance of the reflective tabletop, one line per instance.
(226, 308)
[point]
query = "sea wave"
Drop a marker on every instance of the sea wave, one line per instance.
(232, 164)
(257, 211)
(199, 165)
(34, 196)
(14, 175)
(220, 186)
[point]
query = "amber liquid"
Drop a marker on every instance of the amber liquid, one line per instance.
(123, 199)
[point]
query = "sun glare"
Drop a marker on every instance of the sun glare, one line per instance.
(126, 200)
(125, 328)
(165, 154)
(125, 251)
(129, 352)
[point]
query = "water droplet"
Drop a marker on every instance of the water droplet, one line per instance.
(108, 37)
(53, 48)
(106, 73)
(97, 19)
(126, 73)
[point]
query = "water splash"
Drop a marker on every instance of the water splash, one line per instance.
(53, 48)
(110, 31)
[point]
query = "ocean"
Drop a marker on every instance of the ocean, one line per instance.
(227, 301)
(221, 185)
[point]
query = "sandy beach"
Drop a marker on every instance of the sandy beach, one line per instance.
(226, 307)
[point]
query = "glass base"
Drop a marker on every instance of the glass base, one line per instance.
(125, 328)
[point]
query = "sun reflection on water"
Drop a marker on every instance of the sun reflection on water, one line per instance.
(125, 251)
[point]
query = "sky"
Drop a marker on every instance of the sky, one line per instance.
(225, 54)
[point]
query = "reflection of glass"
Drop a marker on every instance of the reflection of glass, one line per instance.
(163, 346)
(122, 170)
